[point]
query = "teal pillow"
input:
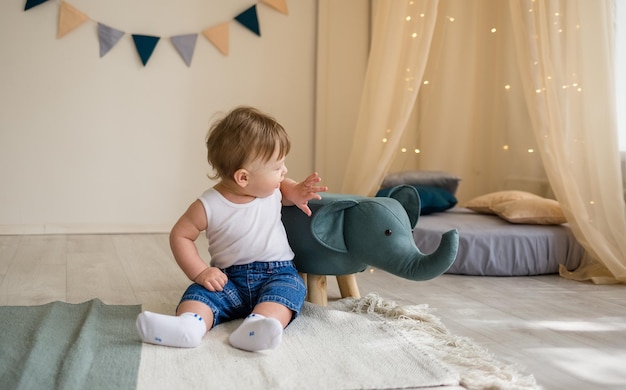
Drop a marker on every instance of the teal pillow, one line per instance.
(439, 179)
(433, 199)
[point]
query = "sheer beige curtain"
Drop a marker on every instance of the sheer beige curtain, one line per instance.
(402, 32)
(464, 101)
(506, 95)
(472, 120)
(565, 50)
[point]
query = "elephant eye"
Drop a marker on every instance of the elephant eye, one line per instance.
(388, 232)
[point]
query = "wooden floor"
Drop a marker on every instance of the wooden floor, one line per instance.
(570, 335)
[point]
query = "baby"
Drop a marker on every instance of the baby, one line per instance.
(251, 275)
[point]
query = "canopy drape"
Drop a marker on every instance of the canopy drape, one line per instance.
(401, 37)
(507, 95)
(566, 52)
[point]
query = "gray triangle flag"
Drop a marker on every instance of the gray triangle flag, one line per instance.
(185, 44)
(108, 37)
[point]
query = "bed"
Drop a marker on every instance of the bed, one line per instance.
(504, 233)
(491, 246)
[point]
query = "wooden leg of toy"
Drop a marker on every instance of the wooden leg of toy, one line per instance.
(347, 286)
(316, 289)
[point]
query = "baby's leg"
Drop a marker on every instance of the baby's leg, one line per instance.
(185, 330)
(263, 329)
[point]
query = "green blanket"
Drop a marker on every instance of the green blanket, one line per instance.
(69, 346)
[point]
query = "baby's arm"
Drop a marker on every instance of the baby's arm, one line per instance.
(182, 241)
(299, 194)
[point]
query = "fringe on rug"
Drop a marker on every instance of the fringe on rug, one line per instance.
(477, 367)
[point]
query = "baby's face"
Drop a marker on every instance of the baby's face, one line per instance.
(265, 177)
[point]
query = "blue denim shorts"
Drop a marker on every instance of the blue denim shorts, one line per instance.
(249, 285)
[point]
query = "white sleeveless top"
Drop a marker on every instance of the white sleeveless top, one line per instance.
(245, 233)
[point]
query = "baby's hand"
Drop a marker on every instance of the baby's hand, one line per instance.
(307, 190)
(212, 278)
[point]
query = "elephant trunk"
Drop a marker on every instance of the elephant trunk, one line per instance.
(419, 266)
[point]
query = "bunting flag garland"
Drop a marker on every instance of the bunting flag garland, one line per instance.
(278, 5)
(108, 37)
(33, 3)
(185, 44)
(218, 36)
(70, 18)
(145, 45)
(250, 20)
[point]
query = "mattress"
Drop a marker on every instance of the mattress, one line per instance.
(490, 246)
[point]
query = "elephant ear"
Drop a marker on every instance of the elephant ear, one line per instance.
(409, 199)
(327, 224)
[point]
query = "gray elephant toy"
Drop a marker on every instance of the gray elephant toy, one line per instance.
(346, 233)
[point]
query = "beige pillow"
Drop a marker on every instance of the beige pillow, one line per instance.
(541, 211)
(485, 203)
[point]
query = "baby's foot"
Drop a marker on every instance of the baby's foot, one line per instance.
(257, 333)
(184, 331)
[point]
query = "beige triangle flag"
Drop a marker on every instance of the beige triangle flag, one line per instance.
(278, 5)
(69, 19)
(218, 36)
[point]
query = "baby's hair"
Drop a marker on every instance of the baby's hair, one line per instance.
(242, 136)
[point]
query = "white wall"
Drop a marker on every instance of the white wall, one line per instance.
(91, 144)
(343, 48)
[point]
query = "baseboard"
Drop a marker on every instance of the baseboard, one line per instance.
(6, 230)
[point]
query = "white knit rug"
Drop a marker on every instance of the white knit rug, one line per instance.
(365, 343)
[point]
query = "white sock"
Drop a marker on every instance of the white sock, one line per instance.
(184, 331)
(257, 333)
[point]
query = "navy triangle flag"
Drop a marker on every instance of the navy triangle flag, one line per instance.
(108, 37)
(33, 3)
(185, 44)
(249, 20)
(145, 45)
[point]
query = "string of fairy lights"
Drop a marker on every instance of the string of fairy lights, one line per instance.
(558, 27)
